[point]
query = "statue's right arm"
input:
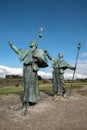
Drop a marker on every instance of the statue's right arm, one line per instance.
(13, 47)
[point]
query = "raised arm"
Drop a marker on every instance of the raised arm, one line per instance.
(48, 55)
(13, 47)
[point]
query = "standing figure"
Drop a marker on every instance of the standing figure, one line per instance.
(32, 59)
(59, 65)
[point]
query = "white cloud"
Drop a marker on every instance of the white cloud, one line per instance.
(81, 71)
(84, 54)
(10, 71)
(45, 75)
(19, 71)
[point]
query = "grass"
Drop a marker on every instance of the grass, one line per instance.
(10, 90)
(45, 87)
(76, 86)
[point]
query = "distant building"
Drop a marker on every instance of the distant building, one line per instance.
(13, 76)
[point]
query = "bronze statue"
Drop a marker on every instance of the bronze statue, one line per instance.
(32, 59)
(59, 65)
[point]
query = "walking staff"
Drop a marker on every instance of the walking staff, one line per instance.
(79, 46)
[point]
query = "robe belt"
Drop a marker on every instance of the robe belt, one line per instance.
(27, 64)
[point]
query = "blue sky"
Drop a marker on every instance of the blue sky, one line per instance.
(65, 23)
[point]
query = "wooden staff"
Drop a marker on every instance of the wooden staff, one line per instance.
(79, 46)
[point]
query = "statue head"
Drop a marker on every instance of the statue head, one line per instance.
(33, 44)
(60, 55)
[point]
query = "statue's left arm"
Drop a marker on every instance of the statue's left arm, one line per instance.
(70, 67)
(64, 65)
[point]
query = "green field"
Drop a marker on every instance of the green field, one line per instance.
(9, 86)
(13, 89)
